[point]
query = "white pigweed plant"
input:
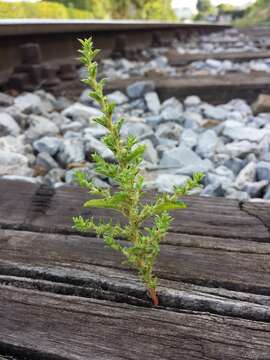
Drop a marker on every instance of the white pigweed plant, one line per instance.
(143, 242)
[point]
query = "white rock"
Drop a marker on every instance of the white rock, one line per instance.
(48, 144)
(8, 125)
(152, 102)
(150, 153)
(39, 127)
(82, 113)
(95, 130)
(117, 97)
(28, 103)
(167, 182)
(136, 128)
(214, 112)
(14, 164)
(71, 150)
(240, 148)
(189, 138)
(172, 110)
(192, 101)
(139, 88)
(244, 133)
(179, 157)
(93, 145)
(247, 174)
(207, 144)
(48, 101)
(13, 144)
(169, 130)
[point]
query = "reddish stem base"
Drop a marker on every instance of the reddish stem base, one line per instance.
(153, 296)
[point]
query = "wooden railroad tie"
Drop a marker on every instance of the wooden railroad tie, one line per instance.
(64, 295)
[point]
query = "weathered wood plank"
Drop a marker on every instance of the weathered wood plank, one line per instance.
(213, 89)
(176, 59)
(31, 207)
(69, 327)
(86, 261)
(261, 210)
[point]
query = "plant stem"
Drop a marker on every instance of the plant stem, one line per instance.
(153, 295)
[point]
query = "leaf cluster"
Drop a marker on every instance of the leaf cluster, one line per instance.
(143, 241)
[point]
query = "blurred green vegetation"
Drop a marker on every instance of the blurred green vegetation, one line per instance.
(89, 9)
(256, 14)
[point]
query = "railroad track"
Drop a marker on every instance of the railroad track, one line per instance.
(58, 39)
(56, 70)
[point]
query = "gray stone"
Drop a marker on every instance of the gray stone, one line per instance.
(237, 195)
(192, 101)
(152, 102)
(267, 193)
(235, 164)
(207, 144)
(215, 64)
(75, 126)
(213, 190)
(117, 97)
(189, 138)
(139, 88)
(150, 153)
(71, 150)
(54, 176)
(48, 101)
(45, 161)
(72, 135)
(172, 110)
(93, 145)
(62, 103)
(255, 189)
(13, 144)
(240, 133)
(58, 119)
(192, 120)
(47, 144)
(169, 130)
(8, 125)
(214, 112)
(247, 174)
(221, 176)
(39, 127)
(70, 174)
(263, 170)
(81, 113)
(240, 148)
(167, 182)
(204, 167)
(29, 103)
(85, 98)
(179, 157)
(150, 136)
(153, 120)
(6, 100)
(95, 130)
(136, 128)
(14, 164)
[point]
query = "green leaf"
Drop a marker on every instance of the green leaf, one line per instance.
(169, 206)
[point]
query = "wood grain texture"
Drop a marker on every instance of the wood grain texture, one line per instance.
(177, 59)
(76, 328)
(190, 276)
(65, 296)
(44, 209)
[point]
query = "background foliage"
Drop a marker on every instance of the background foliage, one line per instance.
(256, 14)
(89, 9)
